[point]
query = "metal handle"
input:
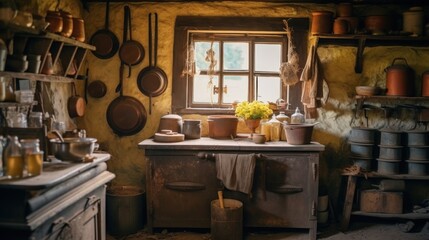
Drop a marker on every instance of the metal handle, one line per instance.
(286, 189)
(185, 186)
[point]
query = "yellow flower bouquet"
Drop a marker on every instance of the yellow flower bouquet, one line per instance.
(253, 110)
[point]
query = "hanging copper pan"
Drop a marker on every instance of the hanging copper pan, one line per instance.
(125, 115)
(131, 52)
(104, 40)
(152, 80)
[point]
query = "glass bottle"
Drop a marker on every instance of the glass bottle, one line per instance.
(275, 128)
(297, 117)
(284, 119)
(14, 160)
(33, 157)
(266, 129)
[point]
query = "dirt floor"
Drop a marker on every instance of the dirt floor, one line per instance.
(366, 230)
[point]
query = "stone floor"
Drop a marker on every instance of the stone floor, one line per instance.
(365, 229)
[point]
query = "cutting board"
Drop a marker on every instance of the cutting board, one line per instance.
(170, 137)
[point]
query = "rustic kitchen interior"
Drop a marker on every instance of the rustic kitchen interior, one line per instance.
(139, 116)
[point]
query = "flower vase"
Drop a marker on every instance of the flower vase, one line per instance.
(252, 124)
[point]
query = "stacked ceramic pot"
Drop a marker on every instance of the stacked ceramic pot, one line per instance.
(418, 152)
(363, 147)
(391, 151)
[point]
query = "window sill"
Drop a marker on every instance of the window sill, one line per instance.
(206, 111)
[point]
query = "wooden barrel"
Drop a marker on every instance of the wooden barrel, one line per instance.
(227, 222)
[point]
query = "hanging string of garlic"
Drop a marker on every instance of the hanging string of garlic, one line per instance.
(289, 70)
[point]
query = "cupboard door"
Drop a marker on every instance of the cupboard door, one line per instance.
(283, 193)
(182, 188)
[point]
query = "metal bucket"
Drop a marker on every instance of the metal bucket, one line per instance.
(125, 210)
(417, 138)
(362, 150)
(227, 222)
(388, 166)
(391, 152)
(390, 137)
(418, 153)
(363, 135)
(418, 168)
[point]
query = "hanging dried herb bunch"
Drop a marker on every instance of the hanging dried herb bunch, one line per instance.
(289, 70)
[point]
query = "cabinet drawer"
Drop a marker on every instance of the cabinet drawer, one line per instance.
(182, 188)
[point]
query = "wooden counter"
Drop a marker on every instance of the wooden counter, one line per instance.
(181, 183)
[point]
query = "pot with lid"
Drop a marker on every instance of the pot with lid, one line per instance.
(399, 79)
(171, 122)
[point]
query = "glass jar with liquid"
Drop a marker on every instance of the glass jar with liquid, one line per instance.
(266, 129)
(14, 161)
(275, 129)
(284, 119)
(33, 157)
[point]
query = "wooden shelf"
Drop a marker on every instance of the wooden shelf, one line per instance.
(396, 176)
(361, 41)
(16, 104)
(411, 216)
(37, 77)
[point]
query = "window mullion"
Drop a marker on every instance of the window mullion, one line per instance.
(251, 93)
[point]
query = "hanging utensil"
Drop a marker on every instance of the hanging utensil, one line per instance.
(125, 115)
(152, 80)
(104, 40)
(131, 52)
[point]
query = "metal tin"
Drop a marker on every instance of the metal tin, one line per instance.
(387, 166)
(419, 168)
(191, 128)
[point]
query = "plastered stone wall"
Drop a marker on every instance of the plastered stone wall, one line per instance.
(335, 116)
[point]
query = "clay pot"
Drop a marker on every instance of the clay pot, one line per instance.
(171, 122)
(222, 126)
(413, 21)
(298, 134)
(344, 10)
(321, 22)
(379, 24)
(341, 26)
(353, 23)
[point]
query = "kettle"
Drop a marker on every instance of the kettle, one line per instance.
(171, 122)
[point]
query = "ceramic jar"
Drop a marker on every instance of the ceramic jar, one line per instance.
(67, 24)
(321, 22)
(413, 21)
(55, 22)
(78, 29)
(341, 26)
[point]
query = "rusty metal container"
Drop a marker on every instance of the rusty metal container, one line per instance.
(376, 201)
(125, 210)
(298, 134)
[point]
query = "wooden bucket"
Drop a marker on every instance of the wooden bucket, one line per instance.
(227, 222)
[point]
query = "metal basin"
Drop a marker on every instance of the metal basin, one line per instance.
(72, 149)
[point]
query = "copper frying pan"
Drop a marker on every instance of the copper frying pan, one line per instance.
(131, 52)
(125, 115)
(152, 80)
(104, 40)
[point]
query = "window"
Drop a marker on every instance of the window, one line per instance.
(221, 60)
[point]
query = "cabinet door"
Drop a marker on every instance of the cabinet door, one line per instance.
(181, 188)
(284, 192)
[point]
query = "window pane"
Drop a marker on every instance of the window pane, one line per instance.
(268, 57)
(203, 91)
(236, 56)
(201, 61)
(237, 88)
(267, 88)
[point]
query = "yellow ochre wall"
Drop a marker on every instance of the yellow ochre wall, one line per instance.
(335, 116)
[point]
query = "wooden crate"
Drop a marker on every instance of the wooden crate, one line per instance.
(376, 201)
